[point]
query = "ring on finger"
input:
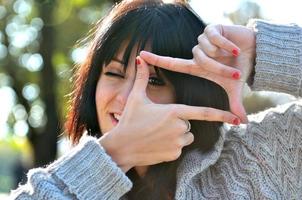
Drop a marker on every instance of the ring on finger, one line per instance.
(188, 125)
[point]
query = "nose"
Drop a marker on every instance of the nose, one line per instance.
(123, 93)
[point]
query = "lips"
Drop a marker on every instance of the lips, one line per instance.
(115, 118)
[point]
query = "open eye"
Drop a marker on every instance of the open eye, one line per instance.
(156, 81)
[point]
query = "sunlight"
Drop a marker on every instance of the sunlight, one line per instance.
(282, 11)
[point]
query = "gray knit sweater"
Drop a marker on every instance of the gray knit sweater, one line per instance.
(260, 160)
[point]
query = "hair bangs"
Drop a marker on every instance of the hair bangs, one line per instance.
(156, 28)
(137, 34)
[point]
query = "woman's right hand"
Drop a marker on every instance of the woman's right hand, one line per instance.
(150, 133)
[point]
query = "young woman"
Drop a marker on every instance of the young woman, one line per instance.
(147, 149)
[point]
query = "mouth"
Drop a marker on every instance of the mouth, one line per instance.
(115, 118)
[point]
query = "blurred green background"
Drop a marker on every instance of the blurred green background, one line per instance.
(37, 53)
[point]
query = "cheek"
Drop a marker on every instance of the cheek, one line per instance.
(102, 96)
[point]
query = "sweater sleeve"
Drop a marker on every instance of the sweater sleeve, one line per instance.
(278, 58)
(86, 172)
(274, 136)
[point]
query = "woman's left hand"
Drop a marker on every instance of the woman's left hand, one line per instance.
(217, 58)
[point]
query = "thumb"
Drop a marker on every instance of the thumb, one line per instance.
(142, 76)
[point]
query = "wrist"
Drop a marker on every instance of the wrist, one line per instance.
(116, 150)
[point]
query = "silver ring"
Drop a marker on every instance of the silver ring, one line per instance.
(188, 125)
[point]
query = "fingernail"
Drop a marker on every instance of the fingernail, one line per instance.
(235, 52)
(236, 121)
(137, 61)
(236, 75)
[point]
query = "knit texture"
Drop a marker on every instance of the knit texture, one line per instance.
(86, 172)
(263, 159)
(260, 160)
(279, 58)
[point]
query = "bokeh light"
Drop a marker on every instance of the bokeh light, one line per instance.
(19, 112)
(21, 128)
(31, 91)
(5, 80)
(37, 23)
(2, 12)
(33, 62)
(36, 116)
(22, 7)
(78, 55)
(21, 34)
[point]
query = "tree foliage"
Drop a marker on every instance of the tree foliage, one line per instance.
(37, 54)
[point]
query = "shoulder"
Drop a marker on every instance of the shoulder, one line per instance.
(271, 133)
(292, 108)
(282, 123)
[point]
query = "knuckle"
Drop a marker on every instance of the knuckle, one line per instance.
(222, 70)
(202, 61)
(182, 127)
(212, 51)
(208, 29)
(225, 116)
(214, 38)
(172, 111)
(141, 76)
(200, 38)
(192, 67)
(195, 49)
(156, 61)
(175, 155)
(191, 136)
(170, 62)
(224, 42)
(206, 113)
(178, 143)
(198, 59)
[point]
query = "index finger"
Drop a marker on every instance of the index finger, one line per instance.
(205, 114)
(173, 64)
(205, 64)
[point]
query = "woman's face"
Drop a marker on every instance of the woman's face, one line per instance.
(115, 85)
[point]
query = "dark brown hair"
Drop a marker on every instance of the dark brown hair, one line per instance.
(172, 30)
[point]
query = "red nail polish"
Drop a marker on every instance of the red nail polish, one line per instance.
(236, 121)
(137, 61)
(235, 52)
(236, 75)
